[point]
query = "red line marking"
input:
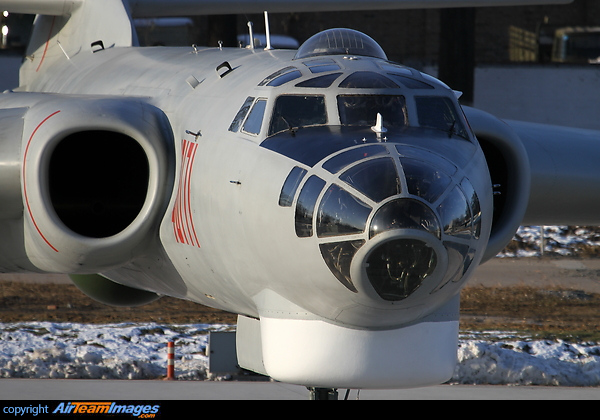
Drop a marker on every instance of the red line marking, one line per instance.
(181, 216)
(189, 193)
(25, 183)
(183, 221)
(47, 43)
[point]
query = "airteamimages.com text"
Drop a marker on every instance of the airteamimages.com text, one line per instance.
(90, 407)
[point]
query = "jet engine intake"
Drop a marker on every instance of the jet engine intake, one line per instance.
(509, 168)
(90, 180)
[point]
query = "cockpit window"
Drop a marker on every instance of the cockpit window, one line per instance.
(322, 65)
(255, 118)
(409, 82)
(281, 77)
(367, 80)
(237, 121)
(362, 110)
(296, 111)
(439, 112)
(320, 81)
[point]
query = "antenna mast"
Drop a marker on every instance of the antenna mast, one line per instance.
(267, 31)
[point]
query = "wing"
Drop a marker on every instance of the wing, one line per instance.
(565, 174)
(542, 174)
(178, 7)
(156, 8)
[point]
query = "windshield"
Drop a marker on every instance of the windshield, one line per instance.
(362, 110)
(439, 112)
(295, 111)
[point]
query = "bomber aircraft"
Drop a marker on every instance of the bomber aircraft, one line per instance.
(336, 200)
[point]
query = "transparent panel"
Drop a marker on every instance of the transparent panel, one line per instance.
(377, 179)
(340, 41)
(254, 121)
(338, 257)
(305, 207)
(423, 155)
(423, 180)
(340, 213)
(440, 113)
(319, 82)
(284, 78)
(319, 62)
(367, 80)
(473, 201)
(468, 260)
(395, 68)
(405, 214)
(323, 69)
(288, 191)
(456, 263)
(339, 162)
(237, 121)
(410, 83)
(455, 214)
(296, 111)
(399, 267)
(275, 75)
(362, 110)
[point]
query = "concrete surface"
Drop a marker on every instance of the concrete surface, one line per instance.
(98, 390)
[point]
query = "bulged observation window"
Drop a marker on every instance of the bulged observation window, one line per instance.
(340, 213)
(305, 207)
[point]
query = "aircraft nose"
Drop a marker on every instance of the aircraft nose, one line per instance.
(422, 220)
(424, 237)
(398, 266)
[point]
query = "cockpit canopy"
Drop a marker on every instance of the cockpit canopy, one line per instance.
(340, 42)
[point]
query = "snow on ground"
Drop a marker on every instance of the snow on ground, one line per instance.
(139, 351)
(111, 351)
(557, 240)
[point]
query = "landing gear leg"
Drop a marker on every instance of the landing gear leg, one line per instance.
(323, 393)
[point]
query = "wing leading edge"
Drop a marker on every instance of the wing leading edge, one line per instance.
(157, 8)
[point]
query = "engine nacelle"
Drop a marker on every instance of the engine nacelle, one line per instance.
(87, 179)
(508, 164)
(108, 292)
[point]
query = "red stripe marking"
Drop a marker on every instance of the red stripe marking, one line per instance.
(47, 43)
(25, 183)
(189, 193)
(182, 217)
(183, 222)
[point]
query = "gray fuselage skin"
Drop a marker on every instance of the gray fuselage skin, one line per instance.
(242, 243)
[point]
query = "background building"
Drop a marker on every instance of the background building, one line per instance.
(499, 57)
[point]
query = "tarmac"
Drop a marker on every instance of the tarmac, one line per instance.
(569, 273)
(577, 274)
(549, 272)
(160, 390)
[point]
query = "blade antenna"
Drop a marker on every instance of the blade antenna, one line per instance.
(267, 31)
(251, 33)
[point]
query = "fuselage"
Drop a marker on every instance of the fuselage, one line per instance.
(291, 195)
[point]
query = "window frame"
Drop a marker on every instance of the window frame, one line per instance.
(272, 132)
(249, 114)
